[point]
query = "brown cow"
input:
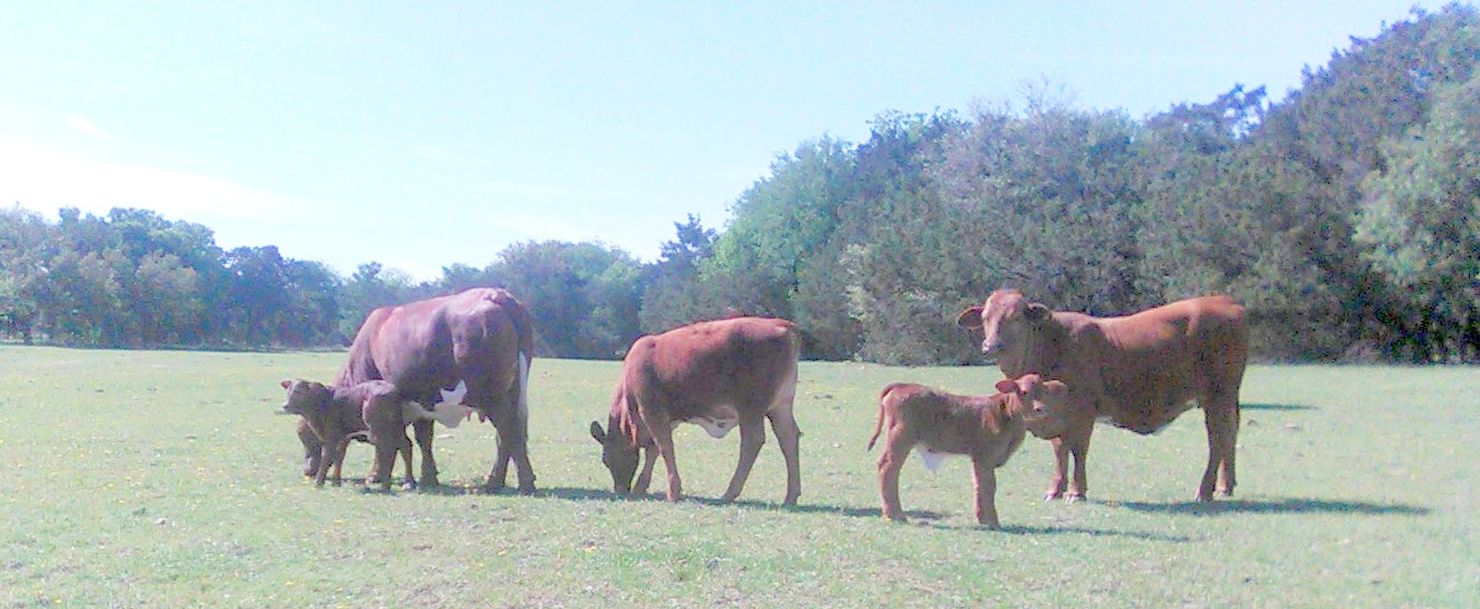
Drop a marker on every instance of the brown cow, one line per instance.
(989, 429)
(1138, 372)
(481, 342)
(717, 374)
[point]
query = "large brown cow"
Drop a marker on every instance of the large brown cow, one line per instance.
(480, 341)
(1138, 372)
(989, 429)
(717, 374)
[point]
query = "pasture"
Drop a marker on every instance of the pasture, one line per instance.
(165, 479)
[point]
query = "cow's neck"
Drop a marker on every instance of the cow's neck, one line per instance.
(1040, 352)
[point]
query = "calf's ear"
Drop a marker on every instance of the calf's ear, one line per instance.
(1007, 386)
(970, 318)
(1055, 388)
(596, 433)
(286, 383)
(1037, 312)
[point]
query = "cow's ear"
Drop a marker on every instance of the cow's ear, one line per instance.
(970, 318)
(1037, 312)
(1007, 386)
(286, 383)
(597, 433)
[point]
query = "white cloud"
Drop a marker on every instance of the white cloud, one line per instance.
(44, 179)
(85, 126)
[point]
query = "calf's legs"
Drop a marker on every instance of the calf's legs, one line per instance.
(1221, 419)
(984, 480)
(788, 435)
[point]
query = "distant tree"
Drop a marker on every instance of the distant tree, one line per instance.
(1421, 223)
(671, 284)
(25, 244)
(583, 296)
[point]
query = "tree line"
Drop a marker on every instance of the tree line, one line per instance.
(1346, 217)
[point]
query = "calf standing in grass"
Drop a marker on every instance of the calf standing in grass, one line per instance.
(332, 416)
(988, 429)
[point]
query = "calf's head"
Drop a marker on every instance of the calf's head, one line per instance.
(1043, 405)
(309, 399)
(618, 452)
(1006, 319)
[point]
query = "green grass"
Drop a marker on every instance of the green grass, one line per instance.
(164, 479)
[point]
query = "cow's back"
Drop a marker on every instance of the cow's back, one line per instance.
(425, 346)
(1150, 365)
(726, 362)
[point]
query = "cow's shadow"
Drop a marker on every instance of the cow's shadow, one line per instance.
(1287, 505)
(1270, 406)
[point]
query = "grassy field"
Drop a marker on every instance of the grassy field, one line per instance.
(165, 479)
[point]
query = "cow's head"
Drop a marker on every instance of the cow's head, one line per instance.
(1005, 319)
(1043, 405)
(618, 453)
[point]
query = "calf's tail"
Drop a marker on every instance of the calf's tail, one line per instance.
(879, 422)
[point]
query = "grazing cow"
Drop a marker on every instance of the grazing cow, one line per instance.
(481, 342)
(716, 374)
(989, 429)
(1138, 372)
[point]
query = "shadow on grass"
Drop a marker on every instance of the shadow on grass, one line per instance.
(1258, 406)
(1289, 505)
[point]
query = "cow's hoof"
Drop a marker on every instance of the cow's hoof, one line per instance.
(1053, 495)
(728, 498)
(526, 489)
(900, 518)
(409, 485)
(1073, 497)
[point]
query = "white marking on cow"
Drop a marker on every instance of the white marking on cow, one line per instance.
(716, 427)
(455, 396)
(448, 414)
(931, 458)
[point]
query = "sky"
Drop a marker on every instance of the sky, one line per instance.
(422, 134)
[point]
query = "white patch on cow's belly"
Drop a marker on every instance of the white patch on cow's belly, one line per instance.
(718, 422)
(931, 458)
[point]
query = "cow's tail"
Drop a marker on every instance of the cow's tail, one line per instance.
(879, 422)
(524, 327)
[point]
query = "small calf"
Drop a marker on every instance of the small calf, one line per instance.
(986, 428)
(332, 416)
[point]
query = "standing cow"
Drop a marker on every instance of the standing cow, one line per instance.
(717, 374)
(1139, 371)
(478, 343)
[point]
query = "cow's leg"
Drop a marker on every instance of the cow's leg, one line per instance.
(1060, 470)
(896, 448)
(784, 425)
(1221, 419)
(645, 477)
(385, 458)
(424, 435)
(752, 437)
(513, 433)
(328, 459)
(1079, 448)
(984, 480)
(405, 449)
(661, 428)
(312, 449)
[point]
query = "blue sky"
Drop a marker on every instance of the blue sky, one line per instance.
(423, 134)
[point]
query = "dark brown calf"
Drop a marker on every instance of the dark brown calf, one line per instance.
(986, 428)
(331, 417)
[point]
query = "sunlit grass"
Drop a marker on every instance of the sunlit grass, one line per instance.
(164, 479)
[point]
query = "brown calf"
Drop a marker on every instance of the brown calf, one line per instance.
(717, 374)
(986, 428)
(372, 411)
